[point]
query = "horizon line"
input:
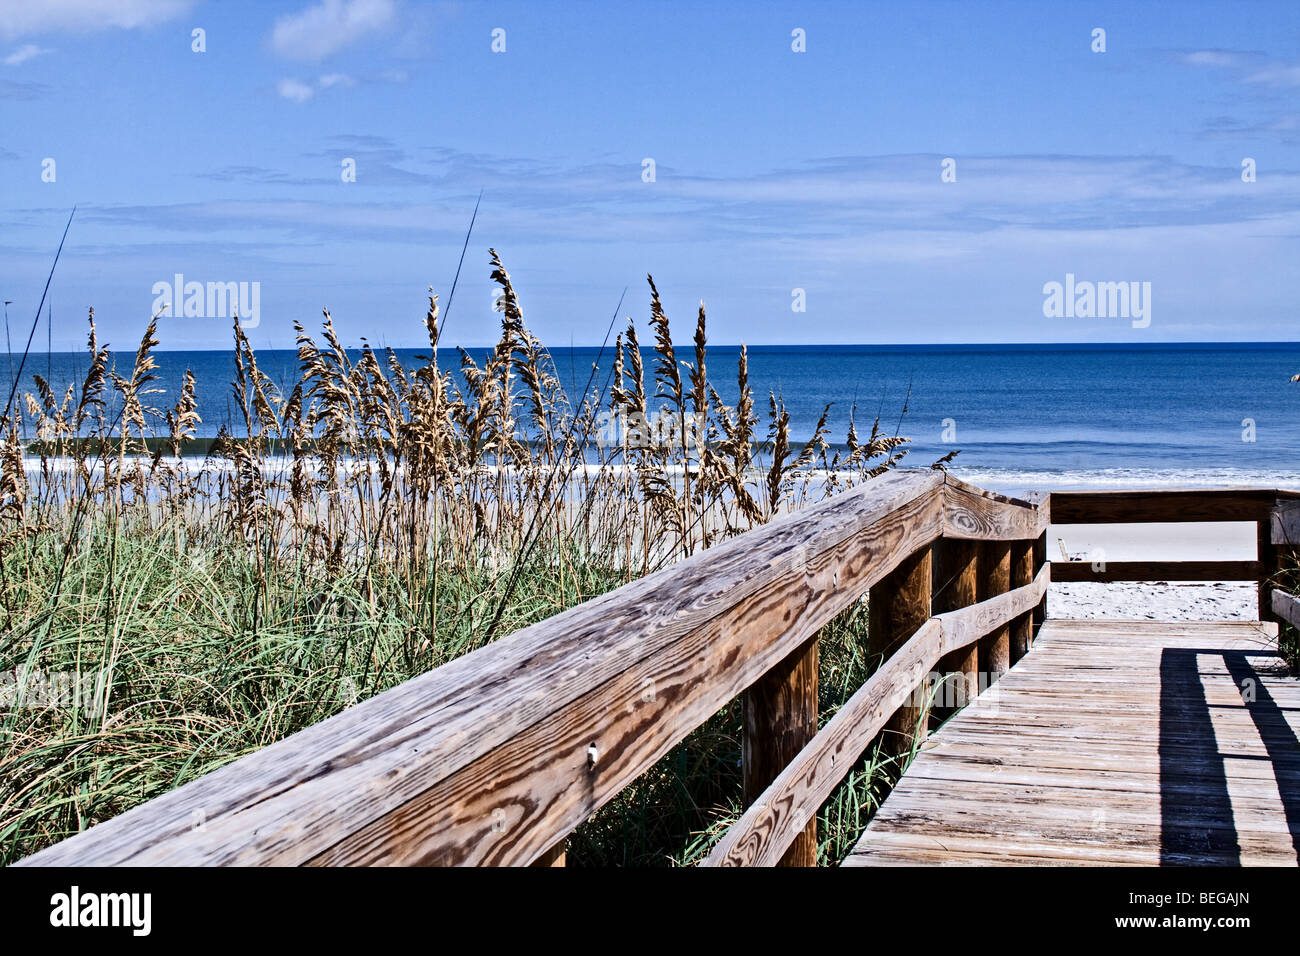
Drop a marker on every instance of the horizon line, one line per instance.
(789, 345)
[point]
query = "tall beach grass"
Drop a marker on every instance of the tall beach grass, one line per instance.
(162, 615)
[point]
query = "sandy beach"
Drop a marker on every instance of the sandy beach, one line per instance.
(1169, 601)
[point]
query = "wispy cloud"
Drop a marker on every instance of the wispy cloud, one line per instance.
(28, 51)
(19, 18)
(335, 79)
(13, 90)
(295, 90)
(302, 90)
(256, 174)
(1222, 59)
(1286, 127)
(835, 200)
(1247, 66)
(1267, 109)
(326, 28)
(1278, 76)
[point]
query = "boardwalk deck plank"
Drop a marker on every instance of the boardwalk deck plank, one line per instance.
(1111, 743)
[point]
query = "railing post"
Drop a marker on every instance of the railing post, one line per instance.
(780, 711)
(1285, 539)
(552, 857)
(1267, 555)
(954, 586)
(1022, 574)
(1042, 502)
(897, 605)
(995, 579)
(1040, 612)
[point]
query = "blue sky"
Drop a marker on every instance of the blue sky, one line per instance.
(775, 170)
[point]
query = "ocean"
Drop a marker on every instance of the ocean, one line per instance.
(1022, 416)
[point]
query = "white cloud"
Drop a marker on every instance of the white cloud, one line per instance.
(1276, 76)
(1261, 72)
(301, 92)
(335, 79)
(19, 18)
(295, 90)
(329, 26)
(1221, 58)
(298, 91)
(24, 53)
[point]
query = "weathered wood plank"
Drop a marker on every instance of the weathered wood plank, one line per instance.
(1286, 607)
(553, 857)
(967, 626)
(1176, 505)
(541, 784)
(953, 563)
(994, 578)
(1267, 577)
(1101, 747)
(975, 514)
(1022, 573)
(780, 718)
(1156, 571)
(764, 831)
(1284, 524)
(761, 835)
(1040, 563)
(897, 605)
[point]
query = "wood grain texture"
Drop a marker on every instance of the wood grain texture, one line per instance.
(968, 626)
(1022, 573)
(1284, 524)
(1040, 562)
(1106, 507)
(555, 856)
(1157, 571)
(634, 669)
(975, 514)
(1112, 743)
(761, 835)
(1285, 607)
(780, 718)
(899, 604)
(506, 807)
(953, 563)
(1268, 576)
(994, 578)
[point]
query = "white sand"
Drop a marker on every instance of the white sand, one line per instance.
(1138, 601)
(1159, 601)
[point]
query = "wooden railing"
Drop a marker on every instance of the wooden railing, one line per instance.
(497, 756)
(1284, 538)
(1253, 505)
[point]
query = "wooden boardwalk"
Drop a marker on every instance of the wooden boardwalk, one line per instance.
(1110, 743)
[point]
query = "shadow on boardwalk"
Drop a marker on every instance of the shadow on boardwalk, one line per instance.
(1196, 811)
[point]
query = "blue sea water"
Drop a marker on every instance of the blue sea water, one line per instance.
(1022, 416)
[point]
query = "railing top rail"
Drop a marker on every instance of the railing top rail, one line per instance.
(954, 482)
(1166, 505)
